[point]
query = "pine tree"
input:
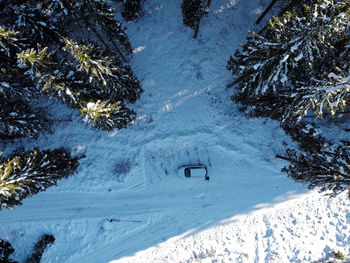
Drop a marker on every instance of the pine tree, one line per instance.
(132, 9)
(72, 50)
(104, 70)
(39, 55)
(284, 6)
(319, 164)
(93, 80)
(298, 64)
(91, 19)
(192, 13)
(6, 250)
(327, 169)
(34, 26)
(39, 248)
(18, 118)
(306, 134)
(26, 173)
(106, 115)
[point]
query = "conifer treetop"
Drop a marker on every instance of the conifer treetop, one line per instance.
(25, 174)
(43, 51)
(300, 58)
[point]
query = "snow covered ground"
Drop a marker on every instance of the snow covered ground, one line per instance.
(248, 211)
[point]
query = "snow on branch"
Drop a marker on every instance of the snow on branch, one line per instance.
(290, 65)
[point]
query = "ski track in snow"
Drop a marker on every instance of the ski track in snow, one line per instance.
(247, 212)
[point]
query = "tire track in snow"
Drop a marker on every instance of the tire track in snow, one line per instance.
(137, 237)
(86, 205)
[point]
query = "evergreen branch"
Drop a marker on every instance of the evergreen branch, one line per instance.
(25, 174)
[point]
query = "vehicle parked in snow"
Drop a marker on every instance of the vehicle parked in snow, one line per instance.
(194, 171)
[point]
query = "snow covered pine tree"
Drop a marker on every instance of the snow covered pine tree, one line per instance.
(18, 118)
(26, 173)
(55, 41)
(192, 13)
(300, 63)
(6, 250)
(132, 9)
(72, 50)
(328, 168)
(39, 248)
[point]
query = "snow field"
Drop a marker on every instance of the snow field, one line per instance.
(286, 232)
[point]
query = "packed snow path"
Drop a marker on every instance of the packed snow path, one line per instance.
(185, 117)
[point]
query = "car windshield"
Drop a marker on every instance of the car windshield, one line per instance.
(188, 172)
